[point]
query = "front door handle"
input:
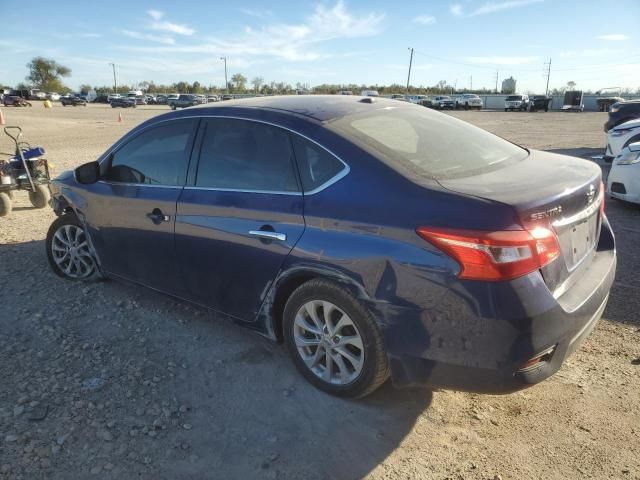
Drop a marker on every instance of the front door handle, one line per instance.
(157, 217)
(267, 235)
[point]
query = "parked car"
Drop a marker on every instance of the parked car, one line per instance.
(604, 103)
(540, 102)
(468, 100)
(201, 99)
(344, 92)
(227, 97)
(622, 112)
(212, 98)
(620, 137)
(37, 95)
(172, 97)
(101, 98)
(138, 99)
(623, 181)
(161, 99)
(369, 93)
(113, 96)
(417, 99)
(516, 102)
(442, 102)
(73, 100)
(454, 259)
(15, 101)
(150, 99)
(124, 102)
(53, 96)
(184, 101)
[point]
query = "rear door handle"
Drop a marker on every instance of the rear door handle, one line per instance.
(267, 235)
(157, 217)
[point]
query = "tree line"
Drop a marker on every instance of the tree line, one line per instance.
(47, 75)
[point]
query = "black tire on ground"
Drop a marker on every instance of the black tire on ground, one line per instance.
(375, 369)
(40, 198)
(113, 106)
(506, 109)
(5, 204)
(466, 106)
(66, 219)
(173, 107)
(64, 104)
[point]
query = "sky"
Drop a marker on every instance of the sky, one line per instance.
(464, 42)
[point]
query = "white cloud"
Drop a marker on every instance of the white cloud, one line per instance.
(613, 36)
(288, 41)
(456, 10)
(147, 36)
(172, 28)
(155, 14)
(425, 19)
(491, 7)
(502, 60)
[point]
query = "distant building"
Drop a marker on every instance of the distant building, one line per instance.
(509, 85)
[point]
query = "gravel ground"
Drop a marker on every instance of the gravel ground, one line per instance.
(104, 380)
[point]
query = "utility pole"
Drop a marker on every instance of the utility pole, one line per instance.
(226, 82)
(546, 93)
(496, 81)
(471, 83)
(115, 83)
(409, 74)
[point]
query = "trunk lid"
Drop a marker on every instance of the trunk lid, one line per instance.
(549, 190)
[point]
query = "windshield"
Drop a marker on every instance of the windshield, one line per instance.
(514, 97)
(420, 143)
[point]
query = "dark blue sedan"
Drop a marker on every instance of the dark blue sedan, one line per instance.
(374, 238)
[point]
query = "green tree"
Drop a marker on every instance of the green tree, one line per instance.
(257, 83)
(46, 74)
(571, 85)
(85, 88)
(239, 81)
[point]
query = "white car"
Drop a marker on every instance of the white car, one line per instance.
(469, 100)
(623, 181)
(418, 99)
(369, 93)
(517, 102)
(113, 96)
(53, 96)
(620, 136)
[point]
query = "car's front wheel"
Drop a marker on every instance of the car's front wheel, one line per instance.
(333, 340)
(68, 249)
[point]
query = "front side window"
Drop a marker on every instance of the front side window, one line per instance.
(157, 156)
(316, 165)
(245, 155)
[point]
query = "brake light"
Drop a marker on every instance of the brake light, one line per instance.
(495, 256)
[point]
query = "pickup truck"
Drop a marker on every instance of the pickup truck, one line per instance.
(184, 101)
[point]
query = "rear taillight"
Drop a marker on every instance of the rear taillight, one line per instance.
(495, 256)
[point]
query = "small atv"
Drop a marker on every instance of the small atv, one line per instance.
(23, 170)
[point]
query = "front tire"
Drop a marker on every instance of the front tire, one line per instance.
(40, 198)
(333, 340)
(68, 249)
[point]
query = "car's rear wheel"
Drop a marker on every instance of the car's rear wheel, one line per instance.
(68, 249)
(5, 204)
(333, 340)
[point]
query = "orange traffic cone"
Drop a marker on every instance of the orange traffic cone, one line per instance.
(120, 118)
(2, 122)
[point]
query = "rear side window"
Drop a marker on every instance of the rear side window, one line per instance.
(244, 155)
(420, 143)
(316, 165)
(157, 156)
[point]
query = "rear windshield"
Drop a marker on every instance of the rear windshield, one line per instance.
(514, 97)
(421, 143)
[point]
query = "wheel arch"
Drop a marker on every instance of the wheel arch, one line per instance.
(288, 281)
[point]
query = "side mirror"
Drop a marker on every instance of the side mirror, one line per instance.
(88, 173)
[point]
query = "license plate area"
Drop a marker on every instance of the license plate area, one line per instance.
(578, 240)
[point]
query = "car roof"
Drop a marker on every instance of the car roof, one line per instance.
(629, 124)
(322, 108)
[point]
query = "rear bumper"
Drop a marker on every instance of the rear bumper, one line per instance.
(629, 177)
(466, 349)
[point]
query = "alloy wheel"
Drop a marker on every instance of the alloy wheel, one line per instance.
(328, 342)
(71, 253)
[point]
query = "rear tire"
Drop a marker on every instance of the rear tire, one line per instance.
(40, 198)
(5, 204)
(352, 368)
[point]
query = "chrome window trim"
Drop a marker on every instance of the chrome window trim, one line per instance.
(152, 185)
(337, 177)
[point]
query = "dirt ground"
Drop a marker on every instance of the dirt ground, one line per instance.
(104, 380)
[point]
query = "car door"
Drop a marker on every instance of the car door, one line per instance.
(131, 210)
(240, 216)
